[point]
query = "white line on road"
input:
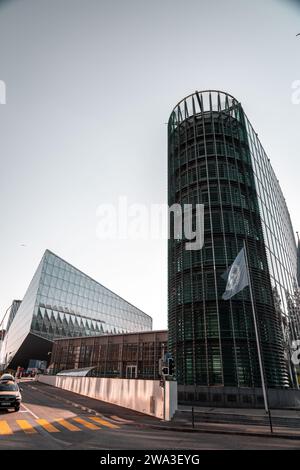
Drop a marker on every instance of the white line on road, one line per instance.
(29, 411)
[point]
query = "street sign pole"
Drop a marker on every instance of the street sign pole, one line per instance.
(164, 398)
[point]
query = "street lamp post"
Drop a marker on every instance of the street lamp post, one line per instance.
(6, 311)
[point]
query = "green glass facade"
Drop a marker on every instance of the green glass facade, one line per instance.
(215, 158)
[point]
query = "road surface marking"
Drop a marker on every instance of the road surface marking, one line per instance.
(121, 420)
(26, 426)
(67, 425)
(29, 411)
(4, 428)
(105, 423)
(87, 424)
(46, 425)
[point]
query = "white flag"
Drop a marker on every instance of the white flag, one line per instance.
(237, 276)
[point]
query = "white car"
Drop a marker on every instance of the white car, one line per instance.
(7, 377)
(10, 395)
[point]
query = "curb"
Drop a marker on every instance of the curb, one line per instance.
(221, 431)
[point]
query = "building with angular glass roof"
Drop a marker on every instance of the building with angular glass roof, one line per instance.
(63, 302)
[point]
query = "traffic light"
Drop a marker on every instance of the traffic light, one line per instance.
(171, 366)
(166, 367)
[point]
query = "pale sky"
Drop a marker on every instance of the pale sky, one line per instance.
(90, 86)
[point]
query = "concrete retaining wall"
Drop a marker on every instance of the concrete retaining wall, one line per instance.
(145, 396)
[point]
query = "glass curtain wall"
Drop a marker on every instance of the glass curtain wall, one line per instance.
(112, 355)
(61, 301)
(211, 160)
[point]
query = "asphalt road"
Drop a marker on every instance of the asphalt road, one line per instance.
(48, 422)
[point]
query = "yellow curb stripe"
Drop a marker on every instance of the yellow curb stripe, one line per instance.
(67, 425)
(87, 424)
(4, 428)
(46, 425)
(26, 426)
(105, 423)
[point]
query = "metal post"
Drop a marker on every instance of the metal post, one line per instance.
(164, 398)
(261, 368)
(193, 417)
(6, 312)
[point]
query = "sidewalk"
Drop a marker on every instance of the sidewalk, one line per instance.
(239, 421)
(237, 416)
(259, 412)
(234, 429)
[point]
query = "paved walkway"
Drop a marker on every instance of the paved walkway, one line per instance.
(236, 429)
(286, 423)
(259, 412)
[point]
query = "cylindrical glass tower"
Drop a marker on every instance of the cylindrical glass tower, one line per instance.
(212, 154)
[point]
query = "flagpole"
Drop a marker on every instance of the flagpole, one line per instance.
(262, 374)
